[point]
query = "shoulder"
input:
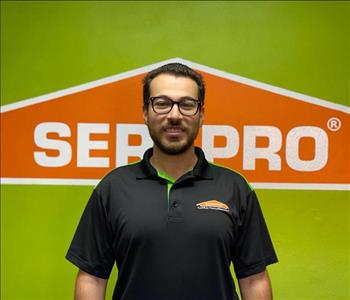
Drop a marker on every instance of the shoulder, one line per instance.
(230, 176)
(122, 175)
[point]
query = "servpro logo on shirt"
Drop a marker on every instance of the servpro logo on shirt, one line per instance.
(213, 204)
(274, 137)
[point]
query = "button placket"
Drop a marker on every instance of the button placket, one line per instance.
(175, 207)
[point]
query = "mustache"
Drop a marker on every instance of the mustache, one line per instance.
(174, 123)
(173, 126)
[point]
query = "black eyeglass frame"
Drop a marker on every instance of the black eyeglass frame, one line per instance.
(199, 104)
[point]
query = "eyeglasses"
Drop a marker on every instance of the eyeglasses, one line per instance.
(163, 105)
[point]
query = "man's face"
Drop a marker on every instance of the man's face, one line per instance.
(173, 133)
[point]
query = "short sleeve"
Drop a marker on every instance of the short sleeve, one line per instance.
(91, 247)
(253, 249)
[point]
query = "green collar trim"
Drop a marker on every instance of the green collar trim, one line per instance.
(168, 178)
(165, 176)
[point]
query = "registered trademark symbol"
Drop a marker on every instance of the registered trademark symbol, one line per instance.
(334, 124)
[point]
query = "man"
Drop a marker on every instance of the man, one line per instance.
(173, 222)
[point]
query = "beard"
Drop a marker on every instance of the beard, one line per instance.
(173, 145)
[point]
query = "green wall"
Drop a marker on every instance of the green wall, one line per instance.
(300, 46)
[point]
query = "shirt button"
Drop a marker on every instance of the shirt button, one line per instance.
(175, 204)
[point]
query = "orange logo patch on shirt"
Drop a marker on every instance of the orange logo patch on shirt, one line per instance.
(213, 204)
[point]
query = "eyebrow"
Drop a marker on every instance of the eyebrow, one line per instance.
(182, 98)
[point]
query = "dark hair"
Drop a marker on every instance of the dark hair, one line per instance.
(178, 70)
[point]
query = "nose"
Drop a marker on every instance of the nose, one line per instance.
(175, 112)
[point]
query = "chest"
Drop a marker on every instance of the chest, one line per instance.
(152, 213)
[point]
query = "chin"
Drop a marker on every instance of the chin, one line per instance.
(172, 145)
(174, 148)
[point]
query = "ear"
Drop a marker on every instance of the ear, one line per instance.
(201, 116)
(145, 114)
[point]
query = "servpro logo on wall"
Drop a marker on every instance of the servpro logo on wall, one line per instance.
(274, 137)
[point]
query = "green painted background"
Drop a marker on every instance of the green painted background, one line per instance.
(300, 46)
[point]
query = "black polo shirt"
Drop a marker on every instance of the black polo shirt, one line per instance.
(172, 241)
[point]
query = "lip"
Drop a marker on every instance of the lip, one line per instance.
(173, 130)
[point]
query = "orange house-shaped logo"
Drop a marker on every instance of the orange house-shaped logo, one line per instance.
(274, 137)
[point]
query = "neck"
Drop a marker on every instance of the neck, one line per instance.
(173, 165)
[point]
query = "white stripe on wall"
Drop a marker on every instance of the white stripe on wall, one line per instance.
(257, 185)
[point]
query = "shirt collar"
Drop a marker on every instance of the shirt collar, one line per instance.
(201, 170)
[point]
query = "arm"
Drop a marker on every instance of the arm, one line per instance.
(257, 287)
(89, 287)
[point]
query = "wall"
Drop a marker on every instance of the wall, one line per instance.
(300, 46)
